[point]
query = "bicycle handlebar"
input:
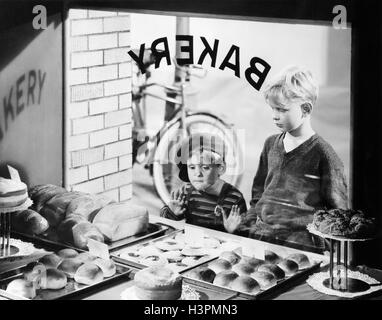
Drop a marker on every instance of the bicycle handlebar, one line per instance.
(187, 69)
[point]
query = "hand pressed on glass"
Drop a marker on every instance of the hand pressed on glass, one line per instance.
(177, 203)
(233, 221)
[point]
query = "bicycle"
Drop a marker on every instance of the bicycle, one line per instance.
(159, 150)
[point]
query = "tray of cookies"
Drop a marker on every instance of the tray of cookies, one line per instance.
(173, 250)
(62, 273)
(251, 277)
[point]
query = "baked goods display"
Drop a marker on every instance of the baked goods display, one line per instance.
(22, 288)
(29, 222)
(158, 283)
(347, 223)
(12, 193)
(172, 250)
(249, 275)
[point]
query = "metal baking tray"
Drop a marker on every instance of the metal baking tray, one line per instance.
(71, 290)
(262, 294)
(153, 230)
(134, 262)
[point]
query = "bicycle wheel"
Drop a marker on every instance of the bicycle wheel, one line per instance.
(165, 170)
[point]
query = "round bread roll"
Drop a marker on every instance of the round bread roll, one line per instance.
(54, 279)
(67, 253)
(230, 256)
(271, 257)
(89, 274)
(51, 260)
(265, 279)
(274, 269)
(108, 267)
(301, 259)
(173, 256)
(153, 260)
(219, 265)
(225, 278)
(22, 288)
(203, 274)
(254, 262)
(168, 245)
(149, 250)
(194, 252)
(245, 284)
(191, 261)
(243, 269)
(34, 272)
(70, 266)
(158, 283)
(289, 266)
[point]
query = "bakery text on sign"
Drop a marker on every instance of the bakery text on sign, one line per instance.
(24, 93)
(255, 73)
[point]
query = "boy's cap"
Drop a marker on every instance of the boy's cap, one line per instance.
(197, 143)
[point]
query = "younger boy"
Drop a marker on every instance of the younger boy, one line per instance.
(206, 200)
(299, 172)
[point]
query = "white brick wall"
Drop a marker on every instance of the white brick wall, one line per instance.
(98, 103)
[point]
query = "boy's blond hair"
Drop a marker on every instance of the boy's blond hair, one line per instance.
(293, 83)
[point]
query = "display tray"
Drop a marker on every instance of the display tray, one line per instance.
(136, 255)
(71, 289)
(153, 230)
(262, 294)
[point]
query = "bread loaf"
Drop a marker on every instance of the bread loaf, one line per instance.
(121, 220)
(29, 222)
(84, 205)
(41, 194)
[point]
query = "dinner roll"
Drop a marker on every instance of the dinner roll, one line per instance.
(243, 269)
(271, 257)
(265, 279)
(67, 253)
(274, 269)
(85, 257)
(289, 266)
(203, 274)
(89, 274)
(191, 261)
(301, 259)
(230, 256)
(153, 260)
(254, 262)
(168, 245)
(219, 265)
(51, 260)
(245, 284)
(54, 279)
(22, 288)
(173, 256)
(225, 278)
(108, 267)
(70, 266)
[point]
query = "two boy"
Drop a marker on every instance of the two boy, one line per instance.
(298, 173)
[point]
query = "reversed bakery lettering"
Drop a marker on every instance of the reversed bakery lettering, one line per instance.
(25, 92)
(255, 73)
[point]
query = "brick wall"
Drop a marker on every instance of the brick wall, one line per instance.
(98, 103)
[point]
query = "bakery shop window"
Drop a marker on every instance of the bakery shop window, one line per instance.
(279, 146)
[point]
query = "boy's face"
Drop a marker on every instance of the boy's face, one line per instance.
(288, 116)
(202, 172)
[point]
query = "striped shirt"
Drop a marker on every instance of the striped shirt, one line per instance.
(201, 206)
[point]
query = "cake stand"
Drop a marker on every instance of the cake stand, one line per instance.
(6, 249)
(339, 269)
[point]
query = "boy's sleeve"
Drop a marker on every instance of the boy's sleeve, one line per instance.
(258, 184)
(334, 186)
(166, 212)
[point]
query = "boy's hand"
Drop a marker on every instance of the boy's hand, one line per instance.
(177, 202)
(233, 221)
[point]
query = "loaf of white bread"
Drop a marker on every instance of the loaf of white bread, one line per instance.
(120, 220)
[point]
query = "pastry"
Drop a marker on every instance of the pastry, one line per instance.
(29, 222)
(274, 269)
(265, 279)
(290, 267)
(108, 267)
(67, 253)
(149, 250)
(12, 193)
(203, 274)
(271, 257)
(225, 278)
(219, 265)
(153, 260)
(177, 266)
(301, 259)
(230, 256)
(243, 268)
(191, 261)
(22, 288)
(168, 245)
(54, 279)
(69, 266)
(254, 262)
(85, 257)
(193, 251)
(41, 194)
(245, 284)
(173, 256)
(51, 260)
(89, 274)
(211, 243)
(158, 283)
